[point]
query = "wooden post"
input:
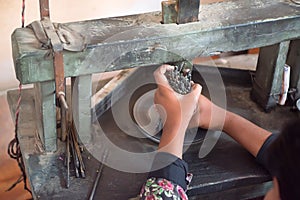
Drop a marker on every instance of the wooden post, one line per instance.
(293, 61)
(169, 13)
(44, 9)
(268, 76)
(81, 106)
(46, 114)
(188, 11)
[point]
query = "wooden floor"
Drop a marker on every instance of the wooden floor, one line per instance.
(9, 170)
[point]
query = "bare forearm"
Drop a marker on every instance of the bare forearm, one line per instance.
(172, 139)
(249, 135)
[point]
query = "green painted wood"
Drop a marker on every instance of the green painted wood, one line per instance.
(276, 87)
(141, 40)
(45, 109)
(188, 11)
(81, 107)
(169, 13)
(268, 76)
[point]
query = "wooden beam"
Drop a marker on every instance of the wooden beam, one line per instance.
(268, 77)
(102, 100)
(141, 40)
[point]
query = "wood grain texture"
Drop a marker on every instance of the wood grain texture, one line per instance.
(45, 111)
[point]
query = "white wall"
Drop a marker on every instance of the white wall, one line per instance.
(60, 11)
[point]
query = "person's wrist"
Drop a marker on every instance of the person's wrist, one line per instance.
(171, 125)
(229, 118)
(175, 125)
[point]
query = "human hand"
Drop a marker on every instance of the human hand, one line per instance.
(177, 109)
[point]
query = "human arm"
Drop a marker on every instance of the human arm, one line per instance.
(168, 178)
(177, 112)
(249, 135)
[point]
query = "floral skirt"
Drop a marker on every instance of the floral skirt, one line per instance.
(161, 189)
(167, 182)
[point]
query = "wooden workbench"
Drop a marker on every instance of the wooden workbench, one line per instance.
(227, 172)
(139, 41)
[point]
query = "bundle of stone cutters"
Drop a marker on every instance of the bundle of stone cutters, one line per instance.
(180, 79)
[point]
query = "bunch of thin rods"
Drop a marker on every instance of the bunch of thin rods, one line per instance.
(73, 150)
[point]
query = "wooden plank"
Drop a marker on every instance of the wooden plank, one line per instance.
(102, 100)
(268, 76)
(141, 40)
(241, 193)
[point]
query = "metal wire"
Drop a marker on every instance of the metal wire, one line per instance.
(14, 150)
(23, 13)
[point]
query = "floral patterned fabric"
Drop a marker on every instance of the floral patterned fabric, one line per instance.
(162, 189)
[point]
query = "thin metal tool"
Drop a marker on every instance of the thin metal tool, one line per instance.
(74, 155)
(64, 115)
(68, 160)
(81, 165)
(104, 157)
(74, 150)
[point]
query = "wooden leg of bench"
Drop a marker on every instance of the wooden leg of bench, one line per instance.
(46, 114)
(81, 106)
(268, 76)
(293, 60)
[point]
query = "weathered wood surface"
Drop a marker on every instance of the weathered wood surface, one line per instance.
(267, 84)
(293, 61)
(45, 110)
(141, 40)
(81, 106)
(228, 172)
(103, 99)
